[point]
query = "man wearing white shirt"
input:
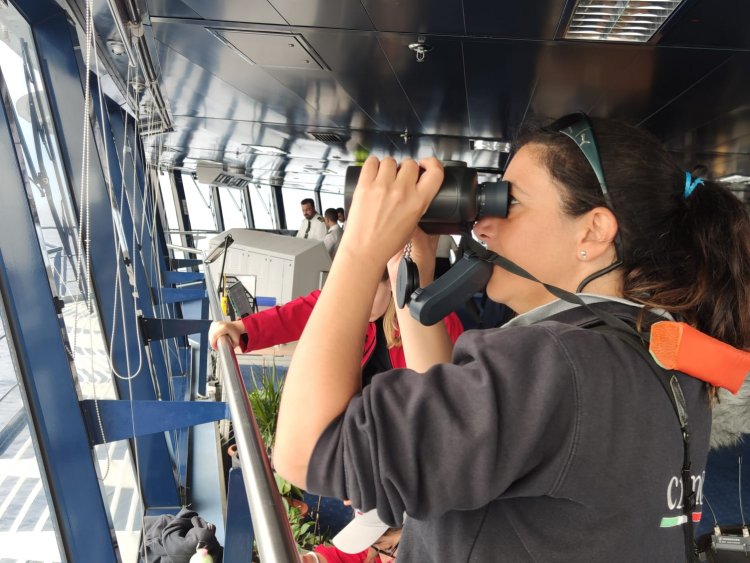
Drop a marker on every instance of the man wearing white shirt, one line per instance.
(334, 234)
(312, 226)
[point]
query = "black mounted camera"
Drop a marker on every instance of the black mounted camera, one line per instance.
(461, 201)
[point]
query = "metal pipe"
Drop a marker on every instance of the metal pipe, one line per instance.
(117, 16)
(130, 27)
(194, 231)
(74, 9)
(189, 249)
(272, 531)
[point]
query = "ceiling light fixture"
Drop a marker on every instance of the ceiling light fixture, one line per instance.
(315, 170)
(634, 21)
(420, 48)
(735, 179)
(266, 150)
(117, 48)
(137, 85)
(485, 145)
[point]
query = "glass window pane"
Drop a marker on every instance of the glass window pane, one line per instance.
(198, 199)
(44, 176)
(328, 199)
(49, 197)
(262, 204)
(170, 209)
(292, 208)
(24, 508)
(167, 196)
(232, 208)
(200, 209)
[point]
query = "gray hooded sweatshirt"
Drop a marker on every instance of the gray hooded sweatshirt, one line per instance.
(542, 441)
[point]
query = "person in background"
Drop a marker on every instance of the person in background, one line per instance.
(364, 540)
(382, 351)
(313, 225)
(551, 438)
(341, 217)
(335, 232)
(445, 246)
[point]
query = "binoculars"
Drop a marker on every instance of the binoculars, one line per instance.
(460, 202)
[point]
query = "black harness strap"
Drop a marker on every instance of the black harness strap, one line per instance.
(481, 253)
(636, 340)
(674, 392)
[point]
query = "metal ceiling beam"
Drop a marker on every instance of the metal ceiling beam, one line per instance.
(103, 53)
(129, 23)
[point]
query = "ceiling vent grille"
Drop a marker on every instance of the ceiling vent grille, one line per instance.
(328, 137)
(619, 20)
(230, 181)
(212, 174)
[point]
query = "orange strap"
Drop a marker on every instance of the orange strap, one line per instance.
(680, 347)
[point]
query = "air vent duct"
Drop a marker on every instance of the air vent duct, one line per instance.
(230, 181)
(328, 137)
(213, 174)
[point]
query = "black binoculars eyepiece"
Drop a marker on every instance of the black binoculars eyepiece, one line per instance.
(460, 202)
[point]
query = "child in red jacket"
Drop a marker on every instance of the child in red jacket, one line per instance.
(285, 323)
(364, 540)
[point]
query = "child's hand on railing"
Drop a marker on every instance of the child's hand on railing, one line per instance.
(233, 329)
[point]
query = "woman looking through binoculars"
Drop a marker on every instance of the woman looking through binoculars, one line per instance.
(554, 438)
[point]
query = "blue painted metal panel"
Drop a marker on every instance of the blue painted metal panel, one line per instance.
(186, 359)
(182, 277)
(184, 262)
(238, 542)
(55, 39)
(178, 294)
(201, 369)
(152, 260)
(131, 215)
(125, 419)
(183, 218)
(181, 386)
(159, 329)
(207, 478)
(35, 10)
(47, 386)
(121, 125)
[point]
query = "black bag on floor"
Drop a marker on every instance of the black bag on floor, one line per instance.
(173, 539)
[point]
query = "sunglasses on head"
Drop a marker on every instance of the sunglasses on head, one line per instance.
(577, 126)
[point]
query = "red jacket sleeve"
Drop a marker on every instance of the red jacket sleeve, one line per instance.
(454, 326)
(279, 325)
(334, 555)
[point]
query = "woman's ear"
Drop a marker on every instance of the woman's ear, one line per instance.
(598, 231)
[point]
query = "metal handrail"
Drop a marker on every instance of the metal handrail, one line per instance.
(192, 232)
(270, 523)
(189, 249)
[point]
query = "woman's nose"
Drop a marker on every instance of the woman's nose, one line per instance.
(486, 228)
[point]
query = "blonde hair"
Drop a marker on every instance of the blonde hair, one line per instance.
(390, 325)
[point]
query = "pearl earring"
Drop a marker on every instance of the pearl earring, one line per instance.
(583, 254)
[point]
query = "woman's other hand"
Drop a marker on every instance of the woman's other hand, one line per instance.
(423, 250)
(234, 329)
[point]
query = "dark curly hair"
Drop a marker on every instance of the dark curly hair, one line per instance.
(689, 256)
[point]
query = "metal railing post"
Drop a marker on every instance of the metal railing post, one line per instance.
(272, 531)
